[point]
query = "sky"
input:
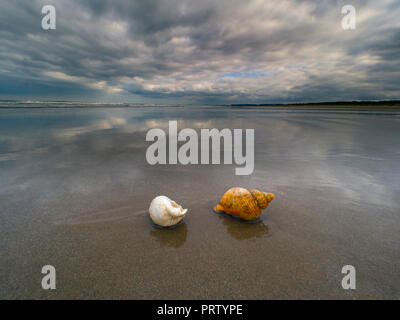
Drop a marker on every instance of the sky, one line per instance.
(200, 51)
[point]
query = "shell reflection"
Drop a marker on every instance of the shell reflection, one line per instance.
(245, 231)
(173, 237)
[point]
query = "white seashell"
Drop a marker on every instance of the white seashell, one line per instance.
(165, 212)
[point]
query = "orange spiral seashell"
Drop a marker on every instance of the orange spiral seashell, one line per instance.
(244, 204)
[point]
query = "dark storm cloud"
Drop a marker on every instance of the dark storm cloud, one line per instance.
(225, 51)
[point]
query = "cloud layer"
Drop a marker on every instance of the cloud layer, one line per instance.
(225, 51)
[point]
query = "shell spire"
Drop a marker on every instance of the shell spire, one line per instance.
(263, 198)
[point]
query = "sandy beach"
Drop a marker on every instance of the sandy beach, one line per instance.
(75, 188)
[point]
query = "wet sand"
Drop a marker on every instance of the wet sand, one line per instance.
(75, 188)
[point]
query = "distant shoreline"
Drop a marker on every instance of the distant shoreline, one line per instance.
(392, 104)
(12, 104)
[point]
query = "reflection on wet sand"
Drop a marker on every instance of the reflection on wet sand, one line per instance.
(242, 230)
(75, 189)
(173, 237)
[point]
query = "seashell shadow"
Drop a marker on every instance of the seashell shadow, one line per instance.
(173, 237)
(165, 228)
(240, 229)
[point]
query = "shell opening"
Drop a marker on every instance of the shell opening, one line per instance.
(176, 210)
(175, 205)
